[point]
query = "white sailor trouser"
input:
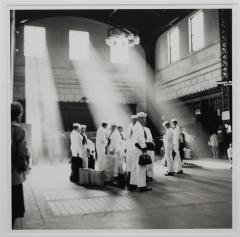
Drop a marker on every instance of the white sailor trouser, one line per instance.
(138, 173)
(177, 163)
(169, 158)
(101, 157)
(118, 164)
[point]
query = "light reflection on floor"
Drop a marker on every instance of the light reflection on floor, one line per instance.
(52, 202)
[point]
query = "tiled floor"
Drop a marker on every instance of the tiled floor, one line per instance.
(200, 198)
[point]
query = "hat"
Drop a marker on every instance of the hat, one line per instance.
(141, 115)
(83, 126)
(165, 123)
(134, 116)
(173, 120)
(76, 125)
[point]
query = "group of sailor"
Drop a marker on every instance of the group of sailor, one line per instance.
(82, 149)
(171, 141)
(118, 151)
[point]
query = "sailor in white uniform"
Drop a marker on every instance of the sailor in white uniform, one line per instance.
(101, 144)
(130, 146)
(138, 173)
(168, 146)
(91, 154)
(76, 161)
(84, 145)
(121, 147)
(177, 164)
(111, 173)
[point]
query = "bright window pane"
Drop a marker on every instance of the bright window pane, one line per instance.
(34, 41)
(79, 45)
(173, 45)
(197, 31)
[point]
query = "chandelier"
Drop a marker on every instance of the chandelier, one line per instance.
(121, 37)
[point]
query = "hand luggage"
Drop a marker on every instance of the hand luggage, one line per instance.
(187, 153)
(86, 176)
(144, 159)
(81, 176)
(98, 177)
(91, 177)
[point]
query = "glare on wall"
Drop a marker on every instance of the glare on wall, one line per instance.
(78, 45)
(34, 41)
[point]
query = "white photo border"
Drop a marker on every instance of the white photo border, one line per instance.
(5, 187)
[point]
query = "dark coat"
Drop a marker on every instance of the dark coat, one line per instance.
(19, 155)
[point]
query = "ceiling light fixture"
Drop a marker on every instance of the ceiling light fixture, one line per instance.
(117, 36)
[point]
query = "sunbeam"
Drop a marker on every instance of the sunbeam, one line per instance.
(42, 110)
(105, 101)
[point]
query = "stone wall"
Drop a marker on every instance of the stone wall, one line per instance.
(194, 72)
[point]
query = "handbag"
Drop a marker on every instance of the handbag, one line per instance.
(144, 159)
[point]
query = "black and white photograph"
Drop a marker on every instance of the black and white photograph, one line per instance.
(120, 118)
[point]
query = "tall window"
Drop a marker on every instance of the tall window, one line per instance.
(173, 45)
(196, 31)
(34, 41)
(78, 45)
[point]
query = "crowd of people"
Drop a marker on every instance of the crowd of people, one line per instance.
(220, 142)
(118, 152)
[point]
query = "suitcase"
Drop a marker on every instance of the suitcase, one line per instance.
(86, 176)
(81, 176)
(98, 177)
(187, 154)
(92, 177)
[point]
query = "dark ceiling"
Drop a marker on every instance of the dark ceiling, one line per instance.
(149, 23)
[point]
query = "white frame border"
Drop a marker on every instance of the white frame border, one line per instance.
(108, 4)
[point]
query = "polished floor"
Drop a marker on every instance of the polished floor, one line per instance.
(199, 198)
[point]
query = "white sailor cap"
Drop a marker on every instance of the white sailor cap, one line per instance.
(76, 125)
(134, 116)
(83, 126)
(165, 123)
(141, 115)
(174, 120)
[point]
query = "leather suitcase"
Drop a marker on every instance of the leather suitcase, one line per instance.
(81, 176)
(86, 177)
(91, 177)
(98, 178)
(187, 154)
